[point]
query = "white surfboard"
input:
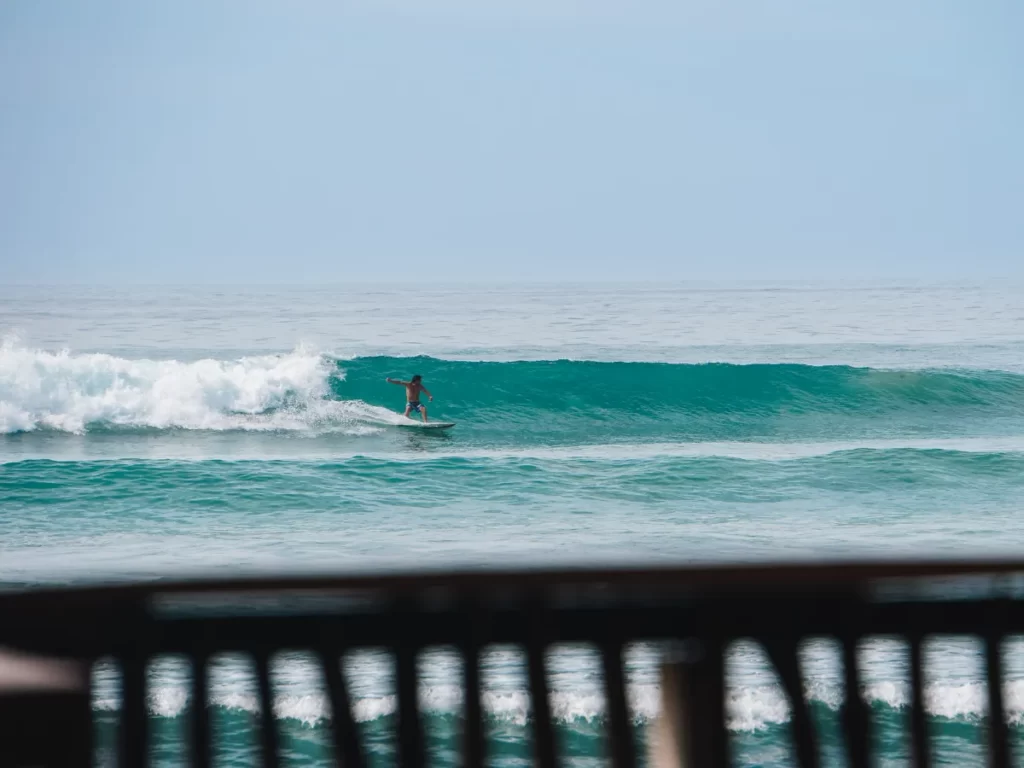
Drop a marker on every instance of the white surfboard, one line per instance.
(428, 425)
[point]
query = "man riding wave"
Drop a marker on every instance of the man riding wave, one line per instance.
(412, 395)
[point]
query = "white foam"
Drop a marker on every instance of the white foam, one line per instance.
(168, 701)
(747, 708)
(892, 694)
(750, 709)
(1013, 698)
(68, 392)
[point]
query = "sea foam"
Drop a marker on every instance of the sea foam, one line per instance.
(748, 709)
(69, 392)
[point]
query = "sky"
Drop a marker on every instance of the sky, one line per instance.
(464, 140)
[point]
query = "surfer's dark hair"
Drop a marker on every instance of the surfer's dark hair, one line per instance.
(417, 377)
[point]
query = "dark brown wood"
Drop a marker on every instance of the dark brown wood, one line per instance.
(620, 732)
(576, 624)
(410, 729)
(855, 712)
(920, 743)
(714, 698)
(758, 577)
(199, 742)
(998, 733)
(133, 736)
(704, 703)
(268, 725)
(784, 656)
(27, 736)
(347, 750)
(540, 698)
(473, 714)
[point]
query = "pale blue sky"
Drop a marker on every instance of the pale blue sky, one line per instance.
(305, 140)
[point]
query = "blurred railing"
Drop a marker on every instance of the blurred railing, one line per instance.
(61, 632)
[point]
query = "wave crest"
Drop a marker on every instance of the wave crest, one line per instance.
(69, 392)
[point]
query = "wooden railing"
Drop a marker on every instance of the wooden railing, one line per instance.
(705, 609)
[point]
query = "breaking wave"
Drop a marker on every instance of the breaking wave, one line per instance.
(67, 392)
(544, 402)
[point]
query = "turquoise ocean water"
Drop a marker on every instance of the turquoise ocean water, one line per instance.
(194, 430)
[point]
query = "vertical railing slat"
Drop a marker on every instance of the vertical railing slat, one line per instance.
(919, 741)
(785, 656)
(708, 734)
(998, 733)
(347, 749)
(854, 715)
(268, 725)
(134, 726)
(199, 741)
(543, 728)
(620, 733)
(473, 756)
(410, 729)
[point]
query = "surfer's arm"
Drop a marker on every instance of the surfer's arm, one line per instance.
(424, 389)
(399, 382)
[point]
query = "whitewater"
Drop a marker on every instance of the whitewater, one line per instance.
(158, 432)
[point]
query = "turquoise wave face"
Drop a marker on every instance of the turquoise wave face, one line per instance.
(599, 402)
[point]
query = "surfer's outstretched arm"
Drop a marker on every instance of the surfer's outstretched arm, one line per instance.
(399, 382)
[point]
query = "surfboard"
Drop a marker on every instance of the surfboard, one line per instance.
(429, 425)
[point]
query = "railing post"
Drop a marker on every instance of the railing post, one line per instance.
(200, 721)
(784, 653)
(707, 717)
(543, 729)
(410, 730)
(620, 733)
(920, 743)
(347, 750)
(855, 712)
(134, 725)
(473, 714)
(998, 733)
(268, 725)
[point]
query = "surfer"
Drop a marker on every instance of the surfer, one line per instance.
(412, 395)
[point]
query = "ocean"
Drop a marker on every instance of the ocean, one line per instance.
(148, 432)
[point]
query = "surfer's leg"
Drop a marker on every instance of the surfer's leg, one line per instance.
(423, 413)
(407, 409)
